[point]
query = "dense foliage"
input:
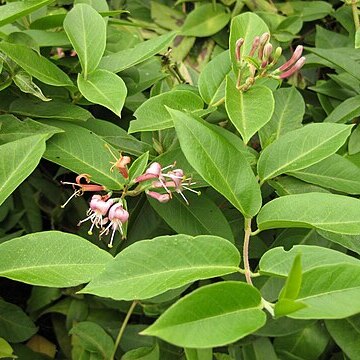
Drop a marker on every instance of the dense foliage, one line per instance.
(179, 179)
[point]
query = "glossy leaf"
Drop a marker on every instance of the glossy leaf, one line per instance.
(36, 65)
(308, 210)
(336, 172)
(14, 10)
(218, 162)
(205, 20)
(247, 26)
(82, 151)
(346, 334)
(126, 58)
(104, 88)
(249, 111)
(86, 30)
(212, 78)
(278, 262)
(51, 258)
(18, 159)
(15, 325)
(198, 320)
(151, 267)
(301, 148)
(288, 114)
(201, 216)
(152, 114)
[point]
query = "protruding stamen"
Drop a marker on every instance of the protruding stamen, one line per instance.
(76, 193)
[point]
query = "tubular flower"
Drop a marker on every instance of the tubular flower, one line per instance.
(99, 206)
(117, 217)
(81, 188)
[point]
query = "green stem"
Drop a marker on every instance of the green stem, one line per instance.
(247, 228)
(355, 14)
(122, 328)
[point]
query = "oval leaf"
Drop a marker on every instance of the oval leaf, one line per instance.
(86, 29)
(206, 20)
(249, 111)
(198, 320)
(104, 88)
(222, 165)
(51, 258)
(151, 267)
(152, 114)
(334, 213)
(301, 148)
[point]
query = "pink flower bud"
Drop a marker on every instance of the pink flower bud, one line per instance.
(117, 212)
(295, 57)
(163, 198)
(299, 64)
(238, 45)
(255, 45)
(152, 172)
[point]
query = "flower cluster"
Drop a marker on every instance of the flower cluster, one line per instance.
(261, 59)
(110, 214)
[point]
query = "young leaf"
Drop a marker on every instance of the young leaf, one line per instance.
(288, 114)
(151, 267)
(6, 351)
(212, 78)
(247, 26)
(301, 148)
(126, 58)
(308, 210)
(36, 65)
(18, 159)
(138, 167)
(336, 172)
(15, 10)
(83, 152)
(205, 20)
(202, 216)
(86, 30)
(51, 258)
(24, 82)
(221, 164)
(249, 111)
(293, 282)
(152, 114)
(198, 320)
(104, 88)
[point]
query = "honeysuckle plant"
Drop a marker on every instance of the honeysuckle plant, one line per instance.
(179, 180)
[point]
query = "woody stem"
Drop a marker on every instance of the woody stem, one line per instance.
(247, 228)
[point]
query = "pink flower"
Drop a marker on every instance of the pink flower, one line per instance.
(117, 216)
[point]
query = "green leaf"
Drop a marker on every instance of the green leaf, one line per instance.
(15, 10)
(354, 141)
(93, 338)
(198, 320)
(51, 258)
(6, 351)
(36, 65)
(249, 111)
(301, 148)
(346, 334)
(15, 325)
(52, 110)
(351, 242)
(126, 58)
(247, 26)
(24, 82)
(357, 39)
(288, 114)
(205, 20)
(83, 152)
(104, 88)
(308, 11)
(221, 164)
(293, 281)
(309, 210)
(198, 354)
(18, 159)
(143, 353)
(284, 307)
(201, 216)
(86, 29)
(334, 172)
(346, 111)
(138, 167)
(152, 114)
(212, 78)
(151, 267)
(278, 262)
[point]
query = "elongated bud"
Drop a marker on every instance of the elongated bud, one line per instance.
(238, 45)
(163, 198)
(277, 54)
(254, 46)
(295, 57)
(298, 65)
(267, 51)
(264, 38)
